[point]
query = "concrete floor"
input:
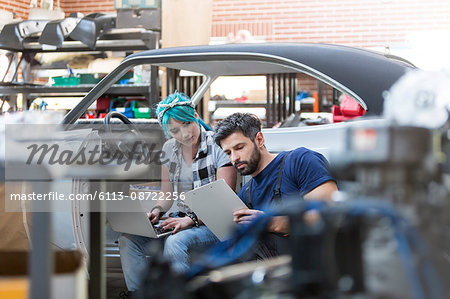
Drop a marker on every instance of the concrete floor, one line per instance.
(115, 285)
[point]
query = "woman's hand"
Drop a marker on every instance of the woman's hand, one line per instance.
(177, 223)
(154, 216)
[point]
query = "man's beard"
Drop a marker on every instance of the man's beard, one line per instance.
(252, 164)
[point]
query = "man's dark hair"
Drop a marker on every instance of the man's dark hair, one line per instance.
(248, 124)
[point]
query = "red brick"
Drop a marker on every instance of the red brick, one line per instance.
(365, 23)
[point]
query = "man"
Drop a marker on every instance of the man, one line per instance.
(300, 172)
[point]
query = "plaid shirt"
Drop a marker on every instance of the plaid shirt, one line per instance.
(204, 167)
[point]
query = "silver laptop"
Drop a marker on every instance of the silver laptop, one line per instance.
(214, 204)
(133, 220)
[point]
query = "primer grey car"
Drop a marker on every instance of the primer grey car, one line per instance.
(362, 74)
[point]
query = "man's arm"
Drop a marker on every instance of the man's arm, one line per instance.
(322, 192)
(228, 173)
(280, 224)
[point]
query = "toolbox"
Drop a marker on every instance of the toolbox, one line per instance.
(65, 81)
(140, 112)
(123, 106)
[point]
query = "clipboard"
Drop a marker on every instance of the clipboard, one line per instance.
(214, 204)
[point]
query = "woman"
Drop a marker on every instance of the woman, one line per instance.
(192, 159)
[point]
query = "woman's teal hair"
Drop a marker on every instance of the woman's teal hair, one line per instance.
(179, 107)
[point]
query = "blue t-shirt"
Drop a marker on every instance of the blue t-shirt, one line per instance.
(303, 171)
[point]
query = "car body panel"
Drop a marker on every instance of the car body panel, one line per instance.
(322, 138)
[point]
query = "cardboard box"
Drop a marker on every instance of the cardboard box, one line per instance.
(69, 280)
(124, 4)
(186, 22)
(15, 219)
(148, 18)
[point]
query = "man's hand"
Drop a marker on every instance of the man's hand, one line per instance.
(177, 223)
(278, 224)
(245, 216)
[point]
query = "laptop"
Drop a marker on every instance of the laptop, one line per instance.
(133, 220)
(214, 204)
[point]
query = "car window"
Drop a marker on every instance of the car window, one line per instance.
(281, 100)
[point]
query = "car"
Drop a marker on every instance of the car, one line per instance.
(360, 74)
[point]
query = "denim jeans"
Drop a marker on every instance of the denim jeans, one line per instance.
(178, 248)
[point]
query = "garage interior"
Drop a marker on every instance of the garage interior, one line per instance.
(54, 52)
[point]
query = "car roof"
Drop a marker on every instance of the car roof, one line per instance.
(363, 74)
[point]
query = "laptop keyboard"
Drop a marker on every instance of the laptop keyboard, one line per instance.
(159, 229)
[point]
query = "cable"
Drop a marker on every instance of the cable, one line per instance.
(246, 236)
(24, 216)
(226, 252)
(407, 238)
(429, 273)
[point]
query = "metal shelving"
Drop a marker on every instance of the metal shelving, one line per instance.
(126, 40)
(114, 40)
(123, 40)
(31, 91)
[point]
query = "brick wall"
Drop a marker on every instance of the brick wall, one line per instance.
(360, 23)
(19, 7)
(87, 6)
(363, 23)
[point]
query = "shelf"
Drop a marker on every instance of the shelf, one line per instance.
(39, 90)
(115, 40)
(234, 104)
